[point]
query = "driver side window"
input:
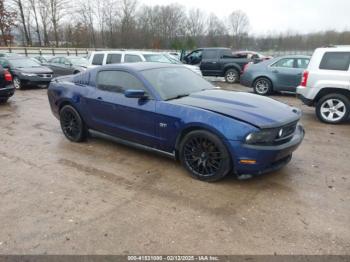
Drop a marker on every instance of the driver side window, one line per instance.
(55, 61)
(118, 81)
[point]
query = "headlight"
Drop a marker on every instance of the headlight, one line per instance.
(28, 74)
(266, 136)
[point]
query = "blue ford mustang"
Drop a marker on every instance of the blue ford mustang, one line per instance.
(170, 109)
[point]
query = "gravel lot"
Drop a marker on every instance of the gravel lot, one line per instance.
(99, 197)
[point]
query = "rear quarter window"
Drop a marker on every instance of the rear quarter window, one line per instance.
(336, 61)
(210, 54)
(132, 59)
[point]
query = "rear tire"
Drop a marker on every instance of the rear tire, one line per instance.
(205, 156)
(17, 83)
(333, 108)
(262, 86)
(231, 76)
(72, 124)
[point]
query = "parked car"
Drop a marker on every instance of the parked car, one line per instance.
(42, 59)
(67, 65)
(99, 58)
(168, 108)
(27, 72)
(278, 74)
(6, 87)
(219, 62)
(326, 84)
(7, 54)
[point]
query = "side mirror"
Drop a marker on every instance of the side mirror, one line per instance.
(135, 93)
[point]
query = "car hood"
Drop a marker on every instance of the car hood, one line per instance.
(256, 110)
(35, 70)
(81, 66)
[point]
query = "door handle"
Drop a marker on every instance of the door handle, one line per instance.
(99, 98)
(275, 71)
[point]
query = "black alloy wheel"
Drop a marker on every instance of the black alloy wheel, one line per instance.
(205, 156)
(72, 124)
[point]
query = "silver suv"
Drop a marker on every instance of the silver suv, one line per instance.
(98, 58)
(326, 84)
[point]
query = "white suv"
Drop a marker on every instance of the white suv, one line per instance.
(98, 58)
(326, 84)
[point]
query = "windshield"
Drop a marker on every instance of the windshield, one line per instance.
(160, 58)
(79, 61)
(175, 82)
(26, 62)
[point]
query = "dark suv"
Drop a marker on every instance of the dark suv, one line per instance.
(6, 87)
(219, 62)
(27, 72)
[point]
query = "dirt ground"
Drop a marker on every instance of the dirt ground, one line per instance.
(99, 197)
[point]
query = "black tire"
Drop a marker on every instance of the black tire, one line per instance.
(72, 124)
(262, 86)
(205, 156)
(231, 76)
(4, 100)
(335, 114)
(17, 83)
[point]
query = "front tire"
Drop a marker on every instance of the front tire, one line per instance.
(17, 83)
(262, 86)
(4, 100)
(333, 109)
(205, 156)
(231, 76)
(72, 124)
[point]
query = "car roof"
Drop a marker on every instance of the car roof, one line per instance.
(344, 48)
(136, 52)
(293, 56)
(15, 57)
(140, 66)
(213, 48)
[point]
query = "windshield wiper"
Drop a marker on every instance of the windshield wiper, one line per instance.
(178, 97)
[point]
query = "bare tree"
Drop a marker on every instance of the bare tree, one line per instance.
(33, 5)
(20, 5)
(7, 21)
(57, 10)
(195, 22)
(87, 16)
(128, 21)
(172, 22)
(215, 30)
(44, 12)
(238, 22)
(112, 14)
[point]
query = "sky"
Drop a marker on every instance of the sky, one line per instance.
(275, 16)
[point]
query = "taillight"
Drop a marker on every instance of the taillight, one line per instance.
(245, 68)
(7, 76)
(304, 78)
